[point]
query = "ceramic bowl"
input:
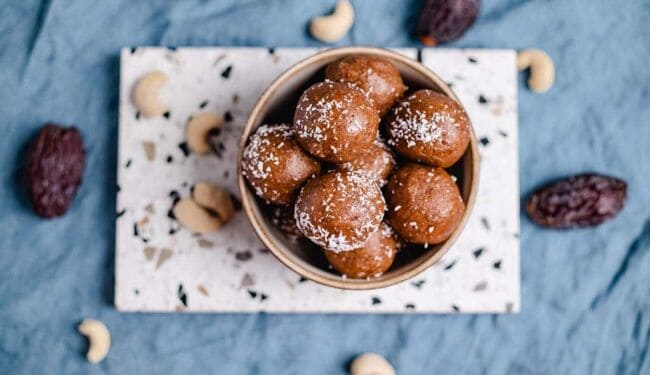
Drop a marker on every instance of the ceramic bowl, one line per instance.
(277, 105)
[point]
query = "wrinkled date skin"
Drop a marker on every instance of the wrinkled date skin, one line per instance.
(578, 201)
(443, 21)
(54, 169)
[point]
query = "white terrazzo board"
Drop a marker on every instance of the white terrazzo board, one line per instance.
(164, 268)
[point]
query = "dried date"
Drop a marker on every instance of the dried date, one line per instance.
(443, 21)
(577, 201)
(54, 169)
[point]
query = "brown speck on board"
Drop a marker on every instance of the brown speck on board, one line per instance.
(480, 286)
(149, 150)
(218, 59)
(149, 208)
(247, 281)
(142, 223)
(202, 289)
(205, 244)
(165, 254)
(509, 306)
(149, 252)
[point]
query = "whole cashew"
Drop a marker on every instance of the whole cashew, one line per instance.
(198, 129)
(145, 94)
(99, 339)
(215, 198)
(542, 69)
(195, 218)
(332, 28)
(371, 364)
(209, 209)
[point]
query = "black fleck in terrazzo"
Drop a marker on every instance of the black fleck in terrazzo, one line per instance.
(485, 222)
(244, 256)
(249, 279)
(419, 283)
(226, 72)
(185, 149)
(182, 296)
(450, 265)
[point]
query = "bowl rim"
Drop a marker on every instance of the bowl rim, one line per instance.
(248, 200)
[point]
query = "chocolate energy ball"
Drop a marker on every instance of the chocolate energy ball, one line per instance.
(376, 76)
(339, 210)
(377, 163)
(274, 164)
(430, 128)
(424, 204)
(335, 121)
(372, 260)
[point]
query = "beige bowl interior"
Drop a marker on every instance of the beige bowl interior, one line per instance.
(276, 105)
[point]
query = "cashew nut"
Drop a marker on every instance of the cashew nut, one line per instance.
(542, 69)
(208, 210)
(194, 217)
(215, 198)
(99, 339)
(198, 129)
(332, 28)
(371, 364)
(149, 150)
(145, 94)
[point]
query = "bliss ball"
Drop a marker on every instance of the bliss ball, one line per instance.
(339, 210)
(424, 204)
(275, 165)
(430, 128)
(377, 163)
(335, 121)
(376, 76)
(372, 259)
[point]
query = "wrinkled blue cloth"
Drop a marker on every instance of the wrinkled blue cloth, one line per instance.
(585, 293)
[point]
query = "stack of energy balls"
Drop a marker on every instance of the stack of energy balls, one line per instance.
(344, 187)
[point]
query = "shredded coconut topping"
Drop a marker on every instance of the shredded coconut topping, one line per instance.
(325, 113)
(343, 219)
(259, 157)
(414, 126)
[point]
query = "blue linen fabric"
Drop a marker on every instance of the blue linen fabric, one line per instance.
(585, 293)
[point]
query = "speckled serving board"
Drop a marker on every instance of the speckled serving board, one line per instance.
(161, 267)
